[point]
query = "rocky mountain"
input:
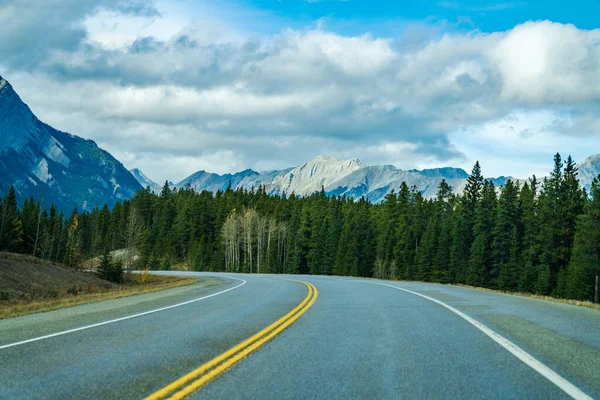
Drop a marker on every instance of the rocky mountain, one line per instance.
(353, 178)
(374, 182)
(314, 175)
(56, 166)
(588, 170)
(203, 180)
(144, 181)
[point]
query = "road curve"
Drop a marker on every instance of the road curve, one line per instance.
(359, 340)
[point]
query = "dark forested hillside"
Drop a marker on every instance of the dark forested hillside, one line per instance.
(541, 237)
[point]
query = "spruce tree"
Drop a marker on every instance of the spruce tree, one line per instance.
(109, 270)
(560, 206)
(444, 207)
(585, 263)
(529, 225)
(11, 226)
(480, 260)
(505, 238)
(425, 255)
(465, 223)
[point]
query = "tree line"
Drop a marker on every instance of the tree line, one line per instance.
(535, 237)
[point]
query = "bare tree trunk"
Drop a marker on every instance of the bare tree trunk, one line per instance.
(133, 235)
(261, 227)
(44, 246)
(248, 225)
(272, 228)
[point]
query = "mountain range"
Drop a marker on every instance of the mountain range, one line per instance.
(55, 166)
(351, 178)
(71, 172)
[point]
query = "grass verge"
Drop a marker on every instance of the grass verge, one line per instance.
(580, 303)
(136, 284)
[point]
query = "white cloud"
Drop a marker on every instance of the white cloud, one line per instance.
(543, 62)
(171, 93)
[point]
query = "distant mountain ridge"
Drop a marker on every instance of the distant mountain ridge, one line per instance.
(588, 170)
(352, 178)
(55, 166)
(144, 181)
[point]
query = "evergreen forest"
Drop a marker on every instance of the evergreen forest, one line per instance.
(531, 236)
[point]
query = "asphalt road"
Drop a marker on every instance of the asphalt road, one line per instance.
(360, 339)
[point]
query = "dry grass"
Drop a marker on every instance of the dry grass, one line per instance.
(580, 303)
(136, 284)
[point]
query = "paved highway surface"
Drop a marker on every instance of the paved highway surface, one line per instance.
(360, 339)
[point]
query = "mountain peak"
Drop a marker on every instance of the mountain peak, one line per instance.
(589, 169)
(591, 159)
(321, 159)
(6, 89)
(144, 181)
(43, 162)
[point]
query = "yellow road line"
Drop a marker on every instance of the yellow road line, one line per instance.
(220, 364)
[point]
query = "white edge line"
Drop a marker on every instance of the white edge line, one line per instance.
(515, 350)
(112, 321)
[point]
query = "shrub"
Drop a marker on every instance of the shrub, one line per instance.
(109, 270)
(73, 290)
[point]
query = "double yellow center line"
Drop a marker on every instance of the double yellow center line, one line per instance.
(199, 377)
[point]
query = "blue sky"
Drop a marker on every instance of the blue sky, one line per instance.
(352, 16)
(175, 86)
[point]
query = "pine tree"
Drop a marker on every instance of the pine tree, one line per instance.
(11, 226)
(506, 238)
(403, 237)
(585, 263)
(110, 270)
(465, 223)
(445, 208)
(474, 187)
(303, 242)
(480, 260)
(560, 206)
(529, 225)
(388, 225)
(425, 255)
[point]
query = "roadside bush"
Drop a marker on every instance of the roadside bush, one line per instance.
(109, 270)
(73, 290)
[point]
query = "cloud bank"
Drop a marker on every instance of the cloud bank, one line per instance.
(172, 95)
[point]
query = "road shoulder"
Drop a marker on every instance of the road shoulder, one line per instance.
(12, 329)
